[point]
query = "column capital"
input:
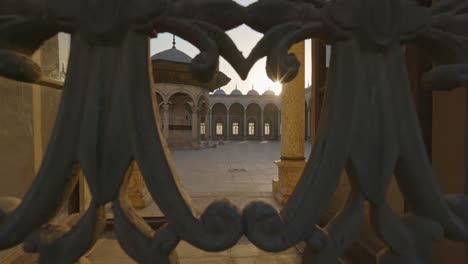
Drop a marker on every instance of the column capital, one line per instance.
(165, 106)
(195, 108)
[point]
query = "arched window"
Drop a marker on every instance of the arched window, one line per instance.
(219, 129)
(235, 128)
(267, 129)
(251, 129)
(202, 128)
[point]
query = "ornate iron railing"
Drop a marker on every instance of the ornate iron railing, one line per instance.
(106, 121)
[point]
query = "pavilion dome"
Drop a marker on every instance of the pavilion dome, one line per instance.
(173, 55)
(220, 92)
(253, 92)
(236, 92)
(269, 93)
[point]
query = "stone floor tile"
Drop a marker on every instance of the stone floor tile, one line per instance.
(264, 187)
(279, 259)
(205, 175)
(244, 260)
(244, 250)
(222, 260)
(185, 250)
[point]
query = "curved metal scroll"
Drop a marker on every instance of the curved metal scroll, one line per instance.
(106, 120)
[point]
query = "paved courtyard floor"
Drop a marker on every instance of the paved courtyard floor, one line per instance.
(241, 171)
(235, 167)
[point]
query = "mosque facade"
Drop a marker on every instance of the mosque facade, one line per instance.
(198, 114)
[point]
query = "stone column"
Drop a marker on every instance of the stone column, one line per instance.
(308, 123)
(207, 125)
(166, 120)
(135, 187)
(262, 125)
(228, 125)
(244, 128)
(195, 126)
(210, 121)
(279, 125)
(292, 161)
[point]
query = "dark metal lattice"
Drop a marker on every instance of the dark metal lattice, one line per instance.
(106, 120)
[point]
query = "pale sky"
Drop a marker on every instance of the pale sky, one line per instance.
(244, 37)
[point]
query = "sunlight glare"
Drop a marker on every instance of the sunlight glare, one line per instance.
(276, 87)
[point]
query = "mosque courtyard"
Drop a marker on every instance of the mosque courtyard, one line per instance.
(241, 171)
(237, 167)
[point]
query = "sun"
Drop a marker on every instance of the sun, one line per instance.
(276, 87)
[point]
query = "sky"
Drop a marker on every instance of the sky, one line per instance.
(244, 37)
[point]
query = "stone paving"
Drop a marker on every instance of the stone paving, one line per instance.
(245, 166)
(240, 171)
(108, 251)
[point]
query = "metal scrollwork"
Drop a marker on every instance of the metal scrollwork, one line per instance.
(106, 121)
(369, 126)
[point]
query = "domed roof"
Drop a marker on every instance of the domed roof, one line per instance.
(220, 92)
(173, 55)
(236, 92)
(269, 93)
(253, 92)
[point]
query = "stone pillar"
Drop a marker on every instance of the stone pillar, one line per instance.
(195, 126)
(135, 187)
(279, 125)
(292, 161)
(245, 124)
(210, 121)
(262, 125)
(166, 120)
(208, 125)
(228, 125)
(307, 122)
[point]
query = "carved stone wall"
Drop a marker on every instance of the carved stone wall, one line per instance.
(50, 101)
(16, 138)
(20, 138)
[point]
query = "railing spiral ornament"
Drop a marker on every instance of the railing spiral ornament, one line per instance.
(106, 121)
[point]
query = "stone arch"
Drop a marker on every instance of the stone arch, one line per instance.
(254, 111)
(182, 89)
(180, 120)
(236, 121)
(203, 113)
(219, 118)
(203, 96)
(271, 121)
(160, 98)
